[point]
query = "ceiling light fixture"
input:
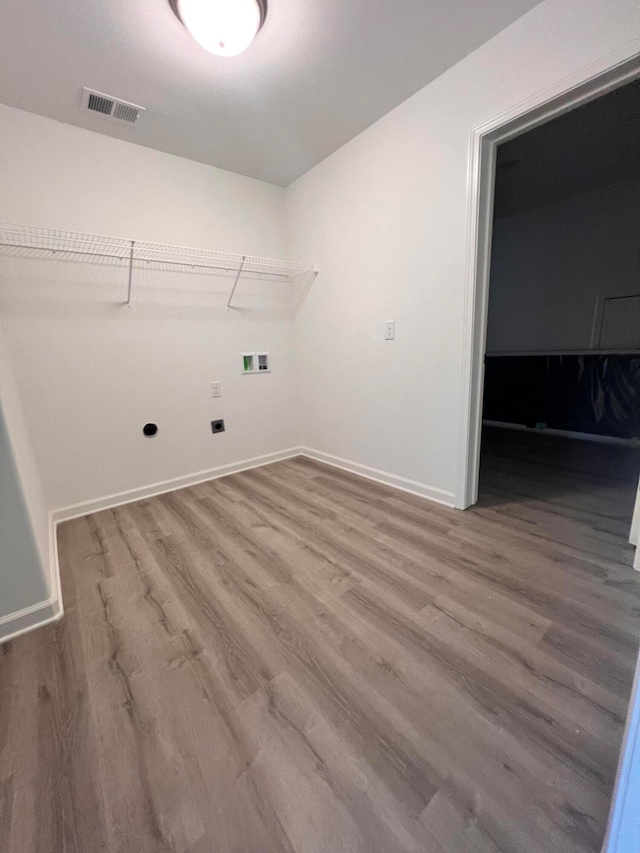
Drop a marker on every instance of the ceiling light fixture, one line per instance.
(223, 27)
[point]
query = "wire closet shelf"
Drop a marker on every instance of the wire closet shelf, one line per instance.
(46, 242)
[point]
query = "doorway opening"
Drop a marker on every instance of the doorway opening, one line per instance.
(554, 316)
(561, 403)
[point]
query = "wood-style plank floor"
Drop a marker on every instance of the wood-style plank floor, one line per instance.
(295, 659)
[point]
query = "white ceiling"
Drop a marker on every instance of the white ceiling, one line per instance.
(591, 146)
(318, 73)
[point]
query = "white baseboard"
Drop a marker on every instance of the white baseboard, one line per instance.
(634, 533)
(431, 493)
(38, 615)
(132, 495)
(44, 612)
(51, 610)
(564, 433)
(110, 501)
(29, 619)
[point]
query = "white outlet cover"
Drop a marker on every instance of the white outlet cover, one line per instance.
(216, 389)
(390, 330)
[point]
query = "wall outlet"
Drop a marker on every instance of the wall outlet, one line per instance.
(390, 330)
(217, 426)
(216, 389)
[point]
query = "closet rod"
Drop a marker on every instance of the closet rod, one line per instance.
(136, 252)
(118, 248)
(282, 276)
(65, 251)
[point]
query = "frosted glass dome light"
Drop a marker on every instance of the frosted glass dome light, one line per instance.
(223, 27)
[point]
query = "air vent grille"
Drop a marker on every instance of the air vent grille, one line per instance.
(126, 113)
(101, 103)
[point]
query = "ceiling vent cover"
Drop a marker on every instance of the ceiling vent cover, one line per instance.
(98, 102)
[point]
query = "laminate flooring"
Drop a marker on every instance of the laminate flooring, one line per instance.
(295, 659)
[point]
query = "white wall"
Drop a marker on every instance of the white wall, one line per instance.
(91, 372)
(386, 218)
(549, 265)
(25, 578)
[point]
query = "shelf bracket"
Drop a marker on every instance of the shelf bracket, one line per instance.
(235, 283)
(129, 291)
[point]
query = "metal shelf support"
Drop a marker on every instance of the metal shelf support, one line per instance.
(130, 287)
(235, 283)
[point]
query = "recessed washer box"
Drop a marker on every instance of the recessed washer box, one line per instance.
(255, 362)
